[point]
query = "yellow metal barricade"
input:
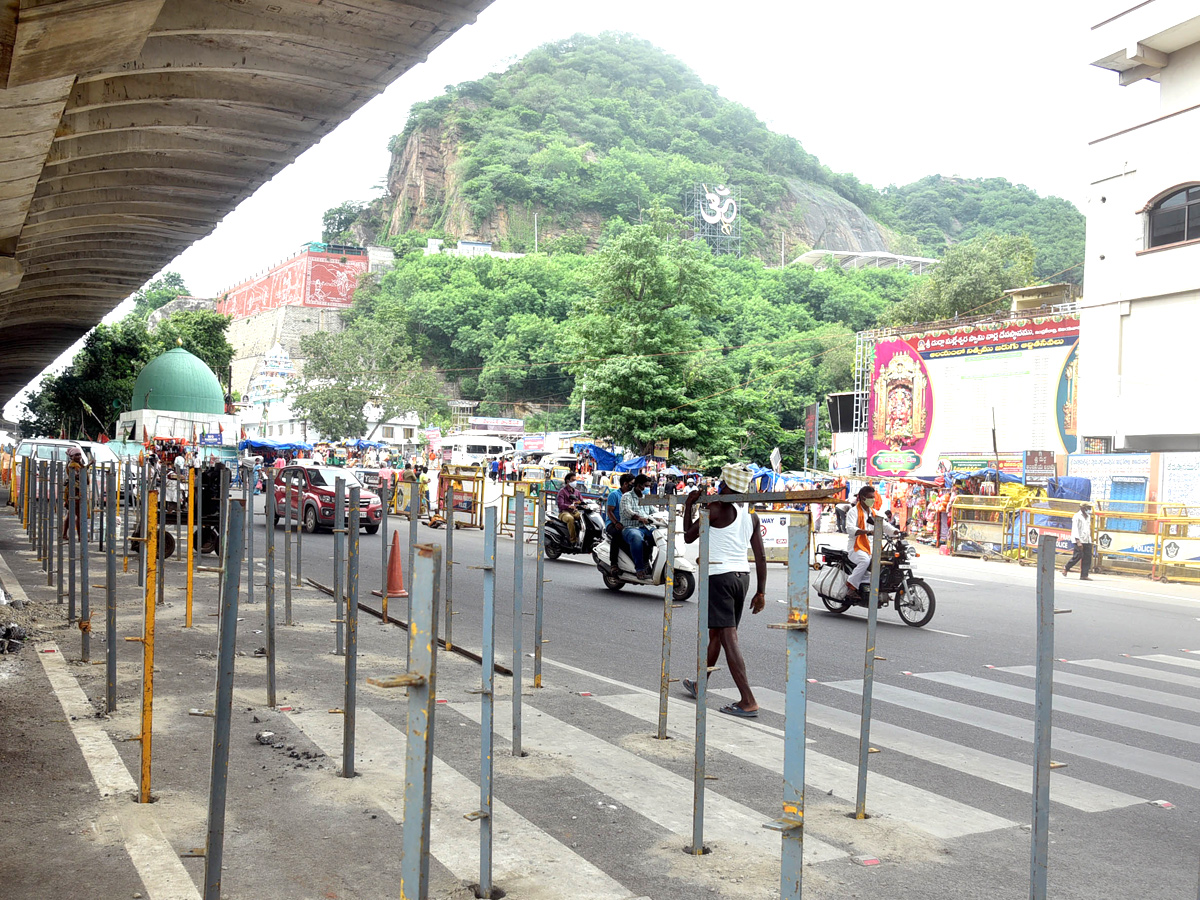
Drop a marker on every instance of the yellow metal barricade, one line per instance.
(985, 527)
(467, 482)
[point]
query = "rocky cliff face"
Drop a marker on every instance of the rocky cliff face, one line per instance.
(424, 189)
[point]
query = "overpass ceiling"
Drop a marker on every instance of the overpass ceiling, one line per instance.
(130, 128)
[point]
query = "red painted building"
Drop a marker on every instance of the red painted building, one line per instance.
(324, 277)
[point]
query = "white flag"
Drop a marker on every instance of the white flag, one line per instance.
(776, 460)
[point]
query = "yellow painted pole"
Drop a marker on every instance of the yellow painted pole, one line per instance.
(25, 497)
(150, 548)
(191, 528)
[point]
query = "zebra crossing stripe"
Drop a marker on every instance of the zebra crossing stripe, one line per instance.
(1172, 660)
(934, 814)
(1116, 688)
(1122, 718)
(646, 788)
(1146, 672)
(526, 860)
(1068, 791)
(1135, 759)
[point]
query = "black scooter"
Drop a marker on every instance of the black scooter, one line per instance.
(591, 532)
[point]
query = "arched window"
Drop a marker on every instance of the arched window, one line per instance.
(1176, 218)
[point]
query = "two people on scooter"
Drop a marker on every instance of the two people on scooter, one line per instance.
(568, 500)
(860, 525)
(635, 520)
(612, 521)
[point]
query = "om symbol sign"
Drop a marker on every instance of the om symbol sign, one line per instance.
(715, 211)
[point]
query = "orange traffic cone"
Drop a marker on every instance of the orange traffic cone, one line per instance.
(395, 583)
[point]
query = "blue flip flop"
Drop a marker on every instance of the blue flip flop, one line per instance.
(689, 687)
(732, 710)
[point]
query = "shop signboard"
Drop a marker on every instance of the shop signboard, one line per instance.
(961, 461)
(211, 439)
(1102, 469)
(534, 442)
(810, 425)
(773, 527)
(488, 423)
(940, 389)
(1039, 467)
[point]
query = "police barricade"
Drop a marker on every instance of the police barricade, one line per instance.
(467, 483)
(1177, 548)
(508, 504)
(985, 527)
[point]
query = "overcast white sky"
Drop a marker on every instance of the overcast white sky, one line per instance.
(887, 91)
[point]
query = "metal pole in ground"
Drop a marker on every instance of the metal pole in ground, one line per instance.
(178, 515)
(664, 677)
(91, 519)
(162, 534)
(200, 511)
(98, 483)
(248, 480)
(143, 517)
(23, 494)
(1040, 839)
(301, 515)
(350, 699)
(191, 544)
(85, 584)
(59, 520)
(126, 506)
(487, 691)
(518, 620)
(791, 823)
(864, 734)
(697, 847)
(35, 516)
(269, 588)
(339, 529)
(287, 552)
(72, 536)
(52, 538)
(222, 517)
(448, 515)
(232, 538)
(414, 514)
(539, 594)
(385, 496)
(42, 506)
(110, 596)
(150, 552)
(422, 694)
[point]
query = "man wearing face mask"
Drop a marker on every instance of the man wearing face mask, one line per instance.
(634, 520)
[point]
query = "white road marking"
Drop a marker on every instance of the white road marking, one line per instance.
(525, 859)
(997, 769)
(932, 813)
(1172, 660)
(1136, 759)
(1099, 712)
(157, 863)
(1116, 688)
(950, 580)
(647, 788)
(951, 633)
(1139, 672)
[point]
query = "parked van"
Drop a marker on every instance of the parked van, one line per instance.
(94, 452)
(473, 449)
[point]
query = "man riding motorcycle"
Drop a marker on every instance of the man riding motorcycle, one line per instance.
(568, 500)
(612, 525)
(859, 528)
(636, 520)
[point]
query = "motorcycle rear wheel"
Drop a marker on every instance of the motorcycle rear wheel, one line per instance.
(835, 606)
(553, 551)
(613, 583)
(916, 605)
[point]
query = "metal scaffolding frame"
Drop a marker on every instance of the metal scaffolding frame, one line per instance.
(724, 235)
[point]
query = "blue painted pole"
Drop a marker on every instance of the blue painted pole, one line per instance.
(864, 734)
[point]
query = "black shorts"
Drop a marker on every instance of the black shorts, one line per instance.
(727, 598)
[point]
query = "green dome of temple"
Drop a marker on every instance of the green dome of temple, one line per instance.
(178, 381)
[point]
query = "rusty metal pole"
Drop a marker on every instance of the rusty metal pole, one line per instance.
(232, 539)
(150, 552)
(539, 594)
(287, 552)
(85, 584)
(664, 676)
(350, 692)
(72, 537)
(59, 520)
(487, 691)
(697, 847)
(448, 515)
(340, 518)
(864, 735)
(110, 597)
(191, 545)
(269, 588)
(518, 620)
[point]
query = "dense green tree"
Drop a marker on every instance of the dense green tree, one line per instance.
(362, 366)
(200, 332)
(971, 280)
(158, 293)
(335, 224)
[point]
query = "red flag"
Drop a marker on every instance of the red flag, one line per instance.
(243, 434)
(220, 428)
(103, 438)
(145, 436)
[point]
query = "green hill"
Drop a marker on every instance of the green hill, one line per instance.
(593, 128)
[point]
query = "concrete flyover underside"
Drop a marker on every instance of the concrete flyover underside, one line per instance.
(130, 128)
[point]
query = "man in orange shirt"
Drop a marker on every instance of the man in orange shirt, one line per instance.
(860, 525)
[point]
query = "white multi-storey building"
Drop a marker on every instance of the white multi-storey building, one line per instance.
(1140, 311)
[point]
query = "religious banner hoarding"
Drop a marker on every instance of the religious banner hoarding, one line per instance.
(309, 279)
(934, 395)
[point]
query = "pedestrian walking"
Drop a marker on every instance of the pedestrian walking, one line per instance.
(1081, 534)
(733, 531)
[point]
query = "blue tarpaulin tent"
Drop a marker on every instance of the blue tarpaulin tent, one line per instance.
(633, 465)
(274, 446)
(605, 461)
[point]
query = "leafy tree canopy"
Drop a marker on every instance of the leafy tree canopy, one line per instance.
(335, 224)
(158, 293)
(362, 366)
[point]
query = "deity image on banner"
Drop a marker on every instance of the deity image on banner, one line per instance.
(1067, 402)
(900, 416)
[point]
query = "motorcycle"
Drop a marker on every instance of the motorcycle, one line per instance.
(912, 597)
(684, 582)
(590, 531)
